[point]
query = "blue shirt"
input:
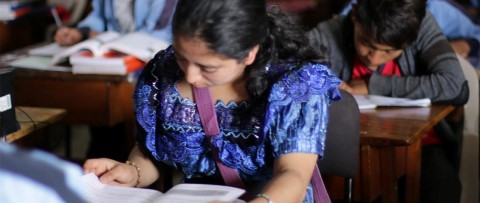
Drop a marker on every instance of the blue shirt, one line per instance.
(294, 120)
(36, 176)
(146, 14)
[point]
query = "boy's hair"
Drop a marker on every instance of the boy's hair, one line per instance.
(391, 22)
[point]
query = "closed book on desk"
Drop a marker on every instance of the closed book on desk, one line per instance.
(111, 63)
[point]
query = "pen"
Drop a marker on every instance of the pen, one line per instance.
(56, 17)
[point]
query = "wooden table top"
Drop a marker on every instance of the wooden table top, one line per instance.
(32, 118)
(399, 126)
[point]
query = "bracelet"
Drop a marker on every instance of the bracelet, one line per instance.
(139, 175)
(266, 197)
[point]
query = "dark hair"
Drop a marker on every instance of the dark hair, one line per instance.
(233, 27)
(392, 22)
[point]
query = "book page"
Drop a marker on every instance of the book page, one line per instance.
(393, 101)
(138, 44)
(363, 102)
(201, 193)
(373, 101)
(92, 44)
(98, 192)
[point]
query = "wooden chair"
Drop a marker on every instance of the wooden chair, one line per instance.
(343, 142)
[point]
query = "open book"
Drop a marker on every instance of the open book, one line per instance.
(138, 44)
(181, 193)
(373, 101)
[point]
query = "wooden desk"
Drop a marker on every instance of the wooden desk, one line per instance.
(97, 100)
(391, 147)
(32, 119)
(94, 100)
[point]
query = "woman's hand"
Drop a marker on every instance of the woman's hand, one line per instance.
(112, 172)
(68, 36)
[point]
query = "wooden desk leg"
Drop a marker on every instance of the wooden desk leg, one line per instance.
(388, 175)
(413, 171)
(369, 170)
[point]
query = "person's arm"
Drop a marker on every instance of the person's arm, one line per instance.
(93, 24)
(116, 173)
(291, 175)
(431, 70)
(295, 128)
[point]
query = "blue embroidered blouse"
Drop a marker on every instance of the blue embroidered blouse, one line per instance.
(251, 136)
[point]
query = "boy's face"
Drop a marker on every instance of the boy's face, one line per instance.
(372, 54)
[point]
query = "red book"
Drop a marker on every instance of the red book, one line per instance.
(111, 62)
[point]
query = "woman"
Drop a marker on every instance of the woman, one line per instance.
(271, 93)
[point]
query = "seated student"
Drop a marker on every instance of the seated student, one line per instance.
(264, 80)
(36, 176)
(150, 16)
(124, 16)
(458, 26)
(395, 48)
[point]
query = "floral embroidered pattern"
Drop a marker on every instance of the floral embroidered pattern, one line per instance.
(171, 127)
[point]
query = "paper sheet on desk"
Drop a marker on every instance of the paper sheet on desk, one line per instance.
(47, 50)
(39, 63)
(373, 101)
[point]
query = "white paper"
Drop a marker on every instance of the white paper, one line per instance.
(48, 50)
(39, 63)
(138, 44)
(182, 193)
(373, 101)
(92, 44)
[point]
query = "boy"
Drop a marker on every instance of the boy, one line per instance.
(395, 48)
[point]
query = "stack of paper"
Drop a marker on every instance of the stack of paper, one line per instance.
(110, 63)
(10, 10)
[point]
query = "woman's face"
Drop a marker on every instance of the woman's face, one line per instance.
(205, 68)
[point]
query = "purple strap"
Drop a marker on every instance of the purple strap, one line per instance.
(208, 117)
(320, 193)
